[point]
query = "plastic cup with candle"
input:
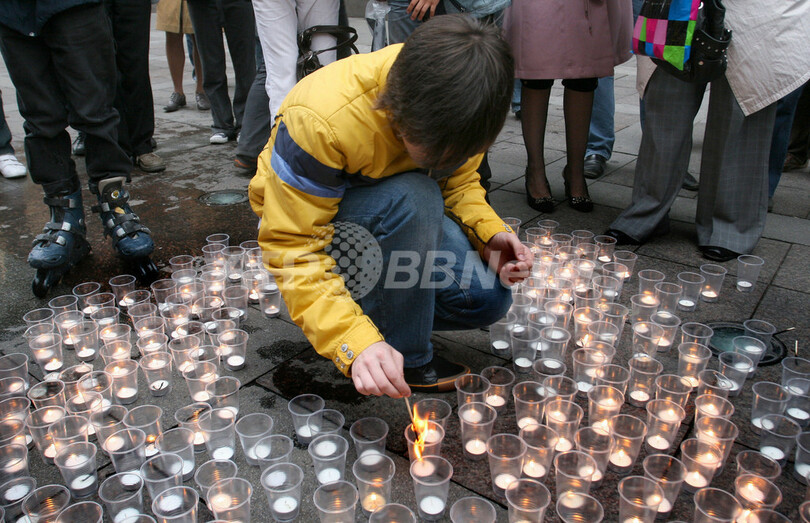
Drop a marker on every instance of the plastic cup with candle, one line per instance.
(628, 259)
(505, 453)
(541, 441)
(754, 492)
(36, 330)
(84, 336)
(712, 382)
(540, 319)
(528, 500)
(270, 300)
(602, 332)
(15, 407)
(755, 462)
(12, 387)
(219, 432)
(472, 508)
(606, 245)
(561, 387)
(125, 381)
(217, 239)
(766, 515)
(472, 388)
(614, 376)
(778, 437)
(752, 347)
(669, 323)
(176, 505)
(642, 306)
(561, 310)
(45, 503)
(673, 388)
(106, 317)
(576, 507)
(769, 398)
(35, 316)
(198, 376)
(668, 472)
(68, 429)
(643, 372)
(336, 501)
(15, 365)
(431, 484)
(604, 402)
(148, 326)
(713, 505)
(433, 409)
(157, 369)
(586, 297)
(325, 421)
(95, 302)
(282, 486)
(692, 359)
(663, 422)
(701, 459)
(47, 351)
(583, 317)
(798, 405)
(759, 329)
(254, 280)
(206, 354)
(553, 343)
(122, 495)
(205, 307)
(564, 417)
(39, 423)
(794, 367)
(608, 287)
(126, 450)
(64, 303)
(162, 289)
(501, 380)
(718, 431)
(179, 441)
(524, 343)
(223, 393)
(181, 350)
(628, 433)
(13, 462)
(735, 368)
(748, 269)
(528, 397)
(668, 296)
(142, 310)
(369, 436)
(646, 338)
(546, 367)
(373, 474)
(251, 429)
(713, 275)
(77, 464)
(212, 471)
(477, 421)
(115, 333)
(107, 421)
(188, 417)
(801, 463)
(713, 406)
(233, 348)
(84, 404)
(120, 286)
(691, 284)
(586, 365)
(432, 440)
(229, 499)
(147, 419)
(597, 444)
(616, 314)
(273, 449)
(12, 494)
(116, 351)
(500, 335)
(639, 499)
(236, 296)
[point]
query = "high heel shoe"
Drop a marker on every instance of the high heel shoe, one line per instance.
(544, 204)
(578, 203)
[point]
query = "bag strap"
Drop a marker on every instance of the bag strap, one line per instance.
(346, 36)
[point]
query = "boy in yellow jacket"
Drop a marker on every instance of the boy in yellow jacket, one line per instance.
(379, 152)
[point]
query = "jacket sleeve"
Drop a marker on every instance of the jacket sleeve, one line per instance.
(465, 202)
(296, 192)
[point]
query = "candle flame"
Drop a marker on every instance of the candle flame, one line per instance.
(419, 427)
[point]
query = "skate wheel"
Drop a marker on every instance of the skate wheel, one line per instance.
(145, 270)
(43, 281)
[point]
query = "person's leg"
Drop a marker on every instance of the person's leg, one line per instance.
(277, 25)
(239, 23)
(176, 58)
(319, 12)
(785, 110)
(257, 122)
(663, 155)
(208, 40)
(534, 112)
(400, 25)
(577, 105)
(5, 132)
(130, 24)
(733, 196)
(516, 94)
(10, 166)
(404, 213)
(601, 133)
(800, 132)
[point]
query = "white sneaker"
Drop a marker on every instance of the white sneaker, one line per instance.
(218, 138)
(11, 167)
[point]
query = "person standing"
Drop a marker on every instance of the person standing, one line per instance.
(235, 17)
(10, 166)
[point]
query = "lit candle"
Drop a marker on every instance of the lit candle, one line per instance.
(709, 294)
(563, 445)
(220, 502)
(423, 468)
(16, 493)
(431, 505)
(658, 442)
(621, 459)
(285, 505)
(328, 475)
(534, 469)
(696, 480)
(502, 481)
(476, 447)
(472, 416)
(53, 365)
(372, 502)
(557, 415)
(640, 396)
(526, 421)
(85, 353)
(668, 415)
(125, 393)
(649, 299)
(496, 401)
(752, 493)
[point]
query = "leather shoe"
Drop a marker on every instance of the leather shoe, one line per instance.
(622, 238)
(793, 163)
(78, 145)
(718, 254)
(439, 375)
(594, 166)
(690, 183)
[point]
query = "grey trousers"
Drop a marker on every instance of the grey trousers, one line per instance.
(256, 122)
(733, 194)
(209, 17)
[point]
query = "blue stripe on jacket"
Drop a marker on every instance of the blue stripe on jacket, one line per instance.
(303, 171)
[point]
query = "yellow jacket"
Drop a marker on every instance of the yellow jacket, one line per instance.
(328, 137)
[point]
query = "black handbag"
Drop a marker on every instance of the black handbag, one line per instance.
(707, 60)
(308, 61)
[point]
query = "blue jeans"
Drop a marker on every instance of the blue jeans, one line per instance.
(432, 278)
(785, 111)
(400, 25)
(517, 92)
(601, 134)
(5, 132)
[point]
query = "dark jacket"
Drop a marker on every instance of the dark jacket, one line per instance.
(28, 16)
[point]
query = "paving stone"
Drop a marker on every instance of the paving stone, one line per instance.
(791, 275)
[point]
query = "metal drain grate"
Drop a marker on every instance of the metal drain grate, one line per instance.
(223, 197)
(726, 331)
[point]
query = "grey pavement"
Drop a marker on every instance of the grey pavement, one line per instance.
(282, 364)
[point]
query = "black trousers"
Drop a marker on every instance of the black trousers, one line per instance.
(209, 17)
(133, 94)
(66, 76)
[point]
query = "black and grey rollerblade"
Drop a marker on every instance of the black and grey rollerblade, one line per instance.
(62, 243)
(131, 240)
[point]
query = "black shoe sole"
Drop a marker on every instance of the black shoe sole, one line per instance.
(447, 384)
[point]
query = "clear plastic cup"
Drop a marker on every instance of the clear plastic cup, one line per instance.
(639, 499)
(718, 431)
(189, 417)
(769, 398)
(778, 437)
(282, 486)
(179, 441)
(668, 296)
(13, 462)
(701, 459)
(669, 472)
(212, 471)
(751, 347)
(545, 367)
(541, 441)
(586, 365)
(176, 505)
(162, 472)
(735, 367)
(597, 444)
(748, 269)
(692, 285)
(273, 449)
(223, 393)
(433, 409)
(646, 338)
(472, 508)
(561, 387)
(126, 450)
(505, 454)
(564, 417)
(219, 432)
(673, 388)
(47, 351)
(229, 499)
(574, 472)
(122, 495)
(369, 436)
(233, 348)
(501, 380)
(46, 502)
(251, 429)
(107, 422)
(713, 275)
(476, 421)
(121, 285)
(300, 408)
(77, 464)
(528, 500)
(524, 342)
(576, 507)
(754, 492)
(60, 304)
(14, 365)
(664, 419)
(712, 382)
(328, 453)
(472, 388)
(373, 474)
(553, 343)
(628, 433)
(125, 381)
(147, 419)
(642, 307)
(604, 402)
(715, 506)
(713, 406)
(157, 369)
(12, 494)
(431, 484)
(755, 462)
(325, 421)
(48, 393)
(760, 329)
(197, 376)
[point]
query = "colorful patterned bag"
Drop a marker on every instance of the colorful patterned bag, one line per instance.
(665, 29)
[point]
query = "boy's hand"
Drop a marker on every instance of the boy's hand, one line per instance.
(419, 8)
(378, 371)
(510, 259)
